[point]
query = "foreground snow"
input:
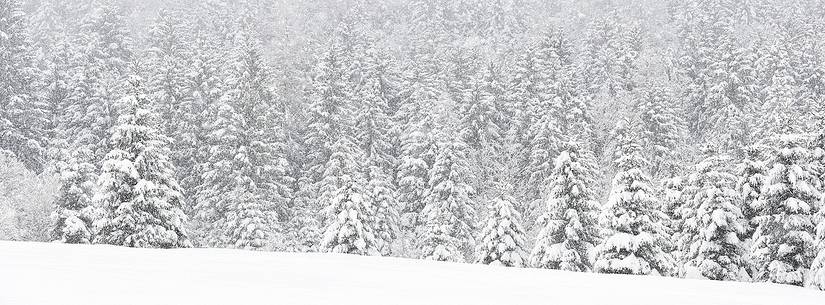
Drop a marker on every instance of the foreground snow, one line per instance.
(38, 273)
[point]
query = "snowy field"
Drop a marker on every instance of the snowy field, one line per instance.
(59, 274)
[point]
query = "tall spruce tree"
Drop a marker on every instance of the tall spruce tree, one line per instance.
(502, 241)
(449, 211)
(752, 177)
(74, 214)
(636, 237)
(140, 198)
(783, 244)
(711, 235)
(167, 59)
(351, 220)
(21, 114)
(816, 274)
(571, 227)
(245, 187)
(661, 129)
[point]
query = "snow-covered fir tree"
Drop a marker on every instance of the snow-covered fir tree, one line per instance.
(711, 231)
(661, 129)
(383, 196)
(74, 214)
(21, 113)
(245, 187)
(483, 116)
(502, 241)
(167, 60)
(571, 228)
(752, 175)
(783, 245)
(372, 122)
(105, 55)
(205, 83)
(449, 211)
(816, 275)
(328, 120)
(416, 145)
(351, 220)
(635, 233)
(139, 197)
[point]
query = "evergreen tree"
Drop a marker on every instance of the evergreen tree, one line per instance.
(544, 146)
(107, 40)
(105, 55)
(167, 76)
(206, 84)
(57, 91)
(502, 240)
(482, 117)
(245, 187)
(140, 199)
(782, 99)
(752, 176)
(661, 129)
(816, 275)
(416, 147)
(636, 236)
(783, 245)
(74, 215)
(713, 243)
(372, 123)
(351, 221)
(21, 114)
(328, 113)
(383, 196)
(571, 223)
(449, 211)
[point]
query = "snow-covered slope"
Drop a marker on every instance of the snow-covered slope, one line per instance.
(57, 274)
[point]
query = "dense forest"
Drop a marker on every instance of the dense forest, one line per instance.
(635, 137)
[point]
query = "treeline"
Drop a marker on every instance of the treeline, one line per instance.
(643, 138)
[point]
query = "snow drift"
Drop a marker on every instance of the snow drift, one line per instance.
(45, 274)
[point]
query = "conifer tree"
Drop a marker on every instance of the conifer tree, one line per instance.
(636, 236)
(712, 241)
(449, 211)
(661, 129)
(56, 92)
(74, 214)
(372, 123)
(374, 137)
(752, 178)
(167, 80)
(21, 114)
(544, 145)
(416, 145)
(571, 222)
(351, 221)
(782, 96)
(140, 198)
(482, 117)
(206, 84)
(783, 244)
(502, 240)
(816, 274)
(328, 113)
(383, 196)
(105, 54)
(245, 187)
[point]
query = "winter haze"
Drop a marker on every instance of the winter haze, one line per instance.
(590, 152)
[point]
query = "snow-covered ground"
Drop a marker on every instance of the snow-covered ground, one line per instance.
(58, 274)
